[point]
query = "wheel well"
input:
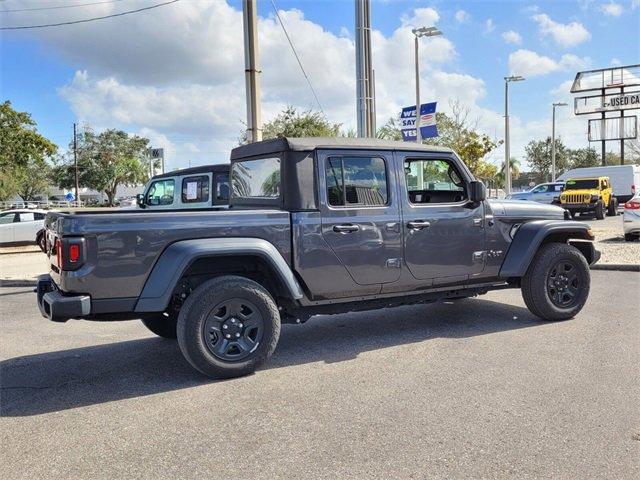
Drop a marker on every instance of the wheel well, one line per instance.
(253, 267)
(577, 239)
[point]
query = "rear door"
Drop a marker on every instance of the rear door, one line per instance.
(7, 227)
(444, 232)
(360, 214)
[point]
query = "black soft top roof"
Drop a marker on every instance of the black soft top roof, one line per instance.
(217, 168)
(311, 143)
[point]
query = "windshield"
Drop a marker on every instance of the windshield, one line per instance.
(585, 184)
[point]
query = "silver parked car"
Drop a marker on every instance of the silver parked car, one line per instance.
(543, 193)
(631, 218)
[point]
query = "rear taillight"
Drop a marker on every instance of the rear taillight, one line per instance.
(70, 253)
(632, 205)
(74, 253)
(59, 253)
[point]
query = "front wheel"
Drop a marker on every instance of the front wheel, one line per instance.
(228, 327)
(600, 210)
(556, 285)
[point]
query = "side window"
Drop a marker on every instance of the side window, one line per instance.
(160, 193)
(221, 194)
(27, 217)
(195, 189)
(433, 181)
(7, 218)
(38, 216)
(558, 188)
(356, 181)
(258, 178)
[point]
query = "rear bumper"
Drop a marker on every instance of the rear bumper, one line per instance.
(58, 307)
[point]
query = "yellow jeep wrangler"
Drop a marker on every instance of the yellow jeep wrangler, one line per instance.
(593, 195)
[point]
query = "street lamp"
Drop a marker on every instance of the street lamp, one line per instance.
(507, 153)
(553, 139)
(421, 32)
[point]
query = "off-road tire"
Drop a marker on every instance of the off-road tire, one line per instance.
(600, 210)
(162, 325)
(41, 241)
(199, 306)
(534, 282)
(612, 209)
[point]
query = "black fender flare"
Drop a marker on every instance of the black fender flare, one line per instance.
(178, 256)
(531, 235)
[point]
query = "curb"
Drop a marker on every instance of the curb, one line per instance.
(618, 267)
(17, 283)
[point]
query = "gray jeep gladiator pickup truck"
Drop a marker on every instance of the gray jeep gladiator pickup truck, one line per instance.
(316, 226)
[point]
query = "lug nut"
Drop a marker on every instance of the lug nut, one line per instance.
(225, 326)
(240, 325)
(228, 336)
(237, 335)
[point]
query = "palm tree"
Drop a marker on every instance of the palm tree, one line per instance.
(501, 177)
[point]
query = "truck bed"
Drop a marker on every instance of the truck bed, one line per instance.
(125, 244)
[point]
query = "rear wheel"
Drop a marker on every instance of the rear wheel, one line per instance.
(556, 285)
(228, 327)
(630, 237)
(41, 241)
(612, 209)
(600, 210)
(164, 325)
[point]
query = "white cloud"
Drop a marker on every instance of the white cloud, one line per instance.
(461, 16)
(635, 4)
(531, 64)
(512, 37)
(612, 9)
(564, 34)
(615, 62)
(421, 17)
(489, 26)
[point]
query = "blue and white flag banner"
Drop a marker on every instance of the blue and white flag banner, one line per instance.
(428, 127)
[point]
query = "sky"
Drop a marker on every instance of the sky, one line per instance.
(175, 74)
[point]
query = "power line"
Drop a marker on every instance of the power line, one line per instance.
(275, 8)
(35, 9)
(25, 27)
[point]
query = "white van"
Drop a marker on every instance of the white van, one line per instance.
(625, 179)
(191, 188)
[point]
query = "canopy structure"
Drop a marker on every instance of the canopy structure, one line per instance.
(604, 78)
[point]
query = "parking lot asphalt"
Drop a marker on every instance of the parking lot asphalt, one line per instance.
(477, 388)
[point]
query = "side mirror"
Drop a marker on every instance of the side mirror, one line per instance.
(477, 191)
(140, 200)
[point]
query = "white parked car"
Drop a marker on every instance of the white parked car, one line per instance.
(20, 225)
(631, 218)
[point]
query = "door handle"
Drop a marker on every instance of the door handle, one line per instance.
(345, 228)
(418, 224)
(477, 222)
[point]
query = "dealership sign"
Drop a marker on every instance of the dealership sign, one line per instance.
(612, 102)
(428, 126)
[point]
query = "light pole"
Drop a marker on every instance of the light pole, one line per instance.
(507, 153)
(421, 32)
(553, 139)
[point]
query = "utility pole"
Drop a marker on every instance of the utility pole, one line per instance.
(420, 32)
(75, 162)
(365, 87)
(553, 139)
(252, 70)
(507, 146)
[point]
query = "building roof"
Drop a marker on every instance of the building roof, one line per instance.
(217, 168)
(312, 143)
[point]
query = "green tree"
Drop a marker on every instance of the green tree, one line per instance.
(538, 155)
(501, 176)
(583, 158)
(22, 151)
(105, 161)
(292, 123)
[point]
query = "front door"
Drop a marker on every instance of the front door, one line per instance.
(360, 214)
(443, 230)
